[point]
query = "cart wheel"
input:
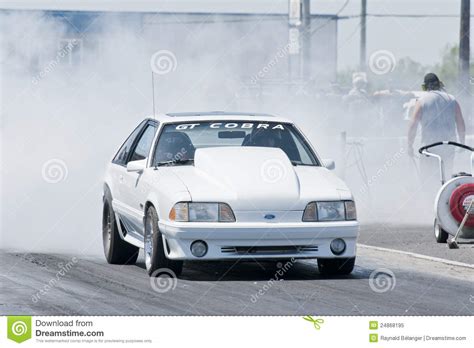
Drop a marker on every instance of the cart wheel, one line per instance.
(440, 234)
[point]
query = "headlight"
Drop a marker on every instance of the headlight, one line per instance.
(180, 212)
(351, 213)
(201, 212)
(311, 212)
(330, 211)
(204, 212)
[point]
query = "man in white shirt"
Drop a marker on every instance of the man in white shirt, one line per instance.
(441, 119)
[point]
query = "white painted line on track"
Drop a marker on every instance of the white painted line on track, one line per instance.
(419, 256)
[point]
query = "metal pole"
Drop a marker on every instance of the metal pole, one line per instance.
(464, 73)
(305, 31)
(342, 153)
(294, 21)
(299, 21)
(464, 40)
(363, 35)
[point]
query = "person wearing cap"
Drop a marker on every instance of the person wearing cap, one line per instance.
(358, 105)
(440, 117)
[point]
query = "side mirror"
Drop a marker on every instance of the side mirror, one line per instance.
(136, 166)
(329, 163)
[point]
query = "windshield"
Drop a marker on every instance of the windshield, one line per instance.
(179, 141)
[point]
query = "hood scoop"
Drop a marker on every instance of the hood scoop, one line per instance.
(256, 177)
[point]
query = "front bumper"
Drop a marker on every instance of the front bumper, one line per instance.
(259, 240)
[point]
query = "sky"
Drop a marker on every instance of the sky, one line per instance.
(422, 39)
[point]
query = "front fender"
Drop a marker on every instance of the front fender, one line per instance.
(163, 202)
(165, 189)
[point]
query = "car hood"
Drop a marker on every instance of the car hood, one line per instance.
(256, 178)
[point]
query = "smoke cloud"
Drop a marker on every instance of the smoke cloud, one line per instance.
(69, 100)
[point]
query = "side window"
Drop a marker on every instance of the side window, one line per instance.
(122, 154)
(303, 153)
(144, 144)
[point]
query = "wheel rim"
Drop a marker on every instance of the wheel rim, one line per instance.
(436, 231)
(148, 247)
(107, 233)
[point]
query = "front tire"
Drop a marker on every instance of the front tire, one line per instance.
(336, 266)
(116, 250)
(441, 235)
(154, 249)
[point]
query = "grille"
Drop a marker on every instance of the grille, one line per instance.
(263, 250)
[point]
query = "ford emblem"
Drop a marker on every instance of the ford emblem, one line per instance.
(269, 216)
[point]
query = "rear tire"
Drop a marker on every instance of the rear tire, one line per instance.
(336, 266)
(116, 250)
(441, 235)
(154, 249)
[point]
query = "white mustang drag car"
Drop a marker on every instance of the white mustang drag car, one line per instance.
(217, 186)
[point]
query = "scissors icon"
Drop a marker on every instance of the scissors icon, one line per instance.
(316, 322)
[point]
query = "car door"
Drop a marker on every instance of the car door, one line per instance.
(118, 169)
(132, 190)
